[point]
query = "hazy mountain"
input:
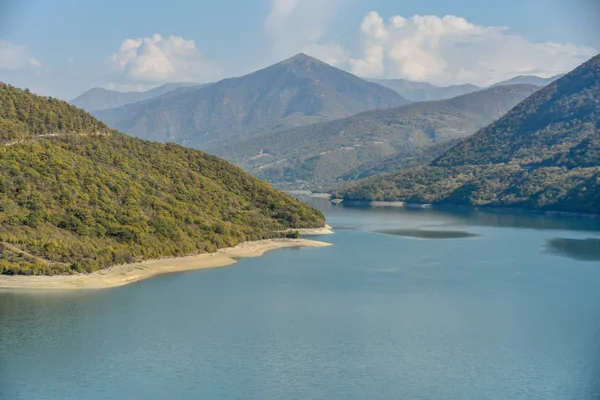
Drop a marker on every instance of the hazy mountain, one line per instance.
(529, 80)
(297, 91)
(101, 99)
(76, 196)
(318, 154)
(423, 91)
(544, 154)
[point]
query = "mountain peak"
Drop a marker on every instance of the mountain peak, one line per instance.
(302, 58)
(298, 91)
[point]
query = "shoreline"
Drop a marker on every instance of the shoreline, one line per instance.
(326, 230)
(120, 275)
(453, 207)
(308, 193)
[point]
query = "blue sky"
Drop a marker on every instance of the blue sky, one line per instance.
(65, 47)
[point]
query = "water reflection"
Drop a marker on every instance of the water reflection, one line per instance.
(577, 249)
(427, 234)
(531, 221)
(405, 217)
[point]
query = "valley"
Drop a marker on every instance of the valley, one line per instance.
(286, 199)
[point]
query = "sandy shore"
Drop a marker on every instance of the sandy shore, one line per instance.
(124, 274)
(326, 230)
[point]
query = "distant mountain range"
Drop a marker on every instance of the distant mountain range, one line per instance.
(369, 142)
(98, 99)
(294, 92)
(423, 91)
(101, 99)
(529, 80)
(544, 154)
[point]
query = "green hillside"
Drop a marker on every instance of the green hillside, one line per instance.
(544, 154)
(322, 154)
(23, 114)
(76, 196)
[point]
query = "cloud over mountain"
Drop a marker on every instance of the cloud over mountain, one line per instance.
(161, 59)
(443, 50)
(294, 26)
(450, 49)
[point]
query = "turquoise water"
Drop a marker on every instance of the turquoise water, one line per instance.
(510, 312)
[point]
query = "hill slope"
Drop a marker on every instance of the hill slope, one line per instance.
(544, 154)
(77, 196)
(423, 91)
(297, 91)
(101, 99)
(319, 154)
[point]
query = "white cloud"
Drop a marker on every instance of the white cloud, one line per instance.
(70, 59)
(13, 56)
(331, 53)
(161, 59)
(450, 49)
(295, 26)
(34, 63)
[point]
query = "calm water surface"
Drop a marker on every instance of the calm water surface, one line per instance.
(509, 311)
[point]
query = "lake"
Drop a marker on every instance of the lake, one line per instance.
(407, 304)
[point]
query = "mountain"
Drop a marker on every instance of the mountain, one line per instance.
(101, 99)
(76, 196)
(423, 91)
(529, 80)
(297, 91)
(419, 157)
(319, 154)
(544, 154)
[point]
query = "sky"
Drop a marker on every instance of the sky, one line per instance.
(63, 48)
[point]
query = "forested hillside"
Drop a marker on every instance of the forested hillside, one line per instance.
(76, 196)
(544, 154)
(23, 114)
(321, 154)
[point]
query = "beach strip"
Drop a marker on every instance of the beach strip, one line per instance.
(326, 230)
(120, 275)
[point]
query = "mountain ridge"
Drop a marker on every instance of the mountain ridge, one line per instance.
(425, 91)
(544, 154)
(97, 98)
(321, 153)
(530, 80)
(293, 92)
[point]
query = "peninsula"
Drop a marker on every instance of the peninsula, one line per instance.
(82, 205)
